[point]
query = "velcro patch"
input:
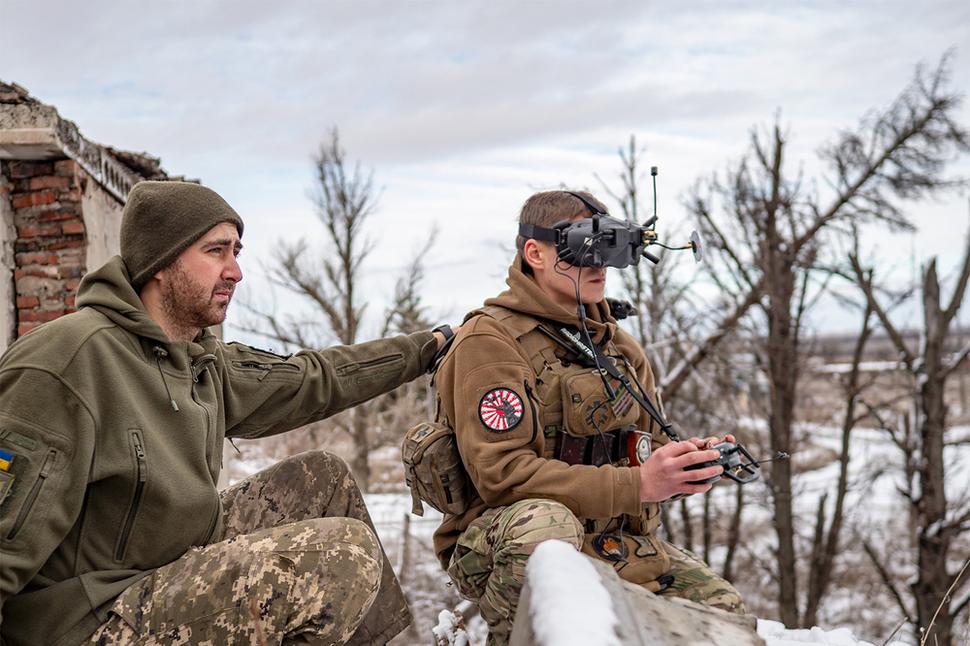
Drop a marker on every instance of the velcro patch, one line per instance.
(500, 410)
(6, 484)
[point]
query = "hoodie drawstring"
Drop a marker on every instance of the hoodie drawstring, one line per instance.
(159, 353)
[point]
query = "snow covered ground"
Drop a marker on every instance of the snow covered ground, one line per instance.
(563, 619)
(775, 634)
(388, 510)
(873, 501)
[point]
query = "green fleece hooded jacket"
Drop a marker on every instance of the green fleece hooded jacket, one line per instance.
(116, 435)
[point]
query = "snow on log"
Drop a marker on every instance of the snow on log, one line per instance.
(570, 599)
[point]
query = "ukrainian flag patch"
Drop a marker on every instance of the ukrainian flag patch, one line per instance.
(6, 457)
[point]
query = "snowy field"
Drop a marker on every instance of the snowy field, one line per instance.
(775, 634)
(388, 511)
(873, 504)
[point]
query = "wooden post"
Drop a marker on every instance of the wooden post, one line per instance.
(403, 557)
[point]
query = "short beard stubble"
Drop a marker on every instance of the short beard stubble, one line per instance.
(188, 304)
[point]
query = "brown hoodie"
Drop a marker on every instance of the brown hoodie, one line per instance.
(508, 465)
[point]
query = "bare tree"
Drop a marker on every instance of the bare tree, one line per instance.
(392, 414)
(826, 544)
(329, 280)
(937, 522)
(407, 313)
(767, 228)
(659, 325)
(667, 317)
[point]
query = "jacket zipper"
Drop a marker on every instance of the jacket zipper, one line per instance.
(255, 365)
(210, 447)
(369, 363)
(532, 409)
(45, 471)
(136, 501)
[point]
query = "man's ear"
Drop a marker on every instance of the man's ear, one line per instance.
(532, 254)
(160, 275)
(151, 286)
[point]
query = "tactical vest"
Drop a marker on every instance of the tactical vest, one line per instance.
(570, 398)
(579, 423)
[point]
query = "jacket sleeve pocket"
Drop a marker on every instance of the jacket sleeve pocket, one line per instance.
(30, 468)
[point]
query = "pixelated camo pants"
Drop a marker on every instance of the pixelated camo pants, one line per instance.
(488, 564)
(298, 563)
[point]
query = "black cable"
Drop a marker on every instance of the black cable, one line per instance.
(660, 244)
(643, 400)
(581, 312)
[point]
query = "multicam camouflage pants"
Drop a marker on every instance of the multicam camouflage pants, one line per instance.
(488, 564)
(298, 563)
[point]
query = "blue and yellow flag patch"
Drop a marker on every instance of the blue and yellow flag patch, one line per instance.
(6, 457)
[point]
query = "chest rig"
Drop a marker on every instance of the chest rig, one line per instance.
(581, 423)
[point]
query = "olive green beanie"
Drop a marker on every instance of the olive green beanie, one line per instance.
(163, 219)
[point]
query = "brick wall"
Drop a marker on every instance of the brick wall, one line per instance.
(49, 250)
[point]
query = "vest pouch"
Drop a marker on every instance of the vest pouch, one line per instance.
(433, 469)
(648, 522)
(595, 450)
(587, 409)
(635, 558)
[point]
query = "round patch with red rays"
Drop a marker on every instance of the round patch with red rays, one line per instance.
(500, 410)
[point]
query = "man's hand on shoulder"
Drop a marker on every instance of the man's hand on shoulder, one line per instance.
(444, 336)
(663, 474)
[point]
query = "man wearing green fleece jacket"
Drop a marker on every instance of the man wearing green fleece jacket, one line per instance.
(112, 422)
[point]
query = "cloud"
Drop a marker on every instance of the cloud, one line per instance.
(423, 80)
(464, 108)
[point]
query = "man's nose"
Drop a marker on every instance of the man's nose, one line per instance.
(232, 271)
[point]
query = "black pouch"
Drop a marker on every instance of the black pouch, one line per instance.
(595, 450)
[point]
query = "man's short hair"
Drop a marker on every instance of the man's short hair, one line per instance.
(549, 207)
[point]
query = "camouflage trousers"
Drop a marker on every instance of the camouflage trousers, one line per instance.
(488, 564)
(298, 562)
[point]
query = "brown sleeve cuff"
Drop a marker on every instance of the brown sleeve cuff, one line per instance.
(627, 497)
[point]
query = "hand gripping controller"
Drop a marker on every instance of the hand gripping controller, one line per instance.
(732, 459)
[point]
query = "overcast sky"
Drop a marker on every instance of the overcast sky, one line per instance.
(465, 108)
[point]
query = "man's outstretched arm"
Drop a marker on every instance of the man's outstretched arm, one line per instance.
(267, 394)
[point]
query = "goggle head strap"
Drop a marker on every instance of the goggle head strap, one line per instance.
(531, 231)
(554, 235)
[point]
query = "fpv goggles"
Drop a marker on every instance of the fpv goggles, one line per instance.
(601, 240)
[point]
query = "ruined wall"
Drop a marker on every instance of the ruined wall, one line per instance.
(102, 223)
(8, 236)
(49, 249)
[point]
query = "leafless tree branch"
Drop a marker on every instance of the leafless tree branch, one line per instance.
(887, 580)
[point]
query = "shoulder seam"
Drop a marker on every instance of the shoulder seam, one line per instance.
(67, 386)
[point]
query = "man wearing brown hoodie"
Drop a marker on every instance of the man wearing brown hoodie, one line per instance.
(112, 422)
(545, 444)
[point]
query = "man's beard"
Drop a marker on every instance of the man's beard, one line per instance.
(188, 303)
